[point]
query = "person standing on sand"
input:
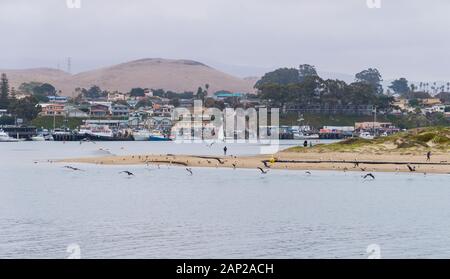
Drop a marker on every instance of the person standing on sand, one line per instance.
(305, 144)
(225, 151)
(428, 156)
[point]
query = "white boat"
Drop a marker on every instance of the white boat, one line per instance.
(97, 131)
(43, 137)
(158, 136)
(39, 137)
(141, 135)
(366, 135)
(302, 136)
(4, 137)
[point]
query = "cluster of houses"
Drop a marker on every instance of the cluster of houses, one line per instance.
(426, 106)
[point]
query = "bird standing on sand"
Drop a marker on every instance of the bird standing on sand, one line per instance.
(128, 173)
(369, 175)
(263, 171)
(189, 170)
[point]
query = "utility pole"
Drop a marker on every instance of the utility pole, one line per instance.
(69, 65)
(374, 119)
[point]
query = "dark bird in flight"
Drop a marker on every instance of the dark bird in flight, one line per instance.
(308, 172)
(87, 140)
(369, 175)
(263, 171)
(363, 169)
(412, 169)
(189, 170)
(72, 168)
(266, 165)
(356, 164)
(128, 173)
(234, 166)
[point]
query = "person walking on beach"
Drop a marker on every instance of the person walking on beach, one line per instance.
(225, 151)
(428, 156)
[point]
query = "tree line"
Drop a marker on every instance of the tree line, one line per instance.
(304, 88)
(25, 108)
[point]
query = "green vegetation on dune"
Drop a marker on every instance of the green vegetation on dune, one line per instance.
(420, 139)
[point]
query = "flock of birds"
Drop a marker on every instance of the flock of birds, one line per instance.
(263, 169)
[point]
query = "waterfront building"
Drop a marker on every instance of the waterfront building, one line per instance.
(98, 110)
(52, 109)
(118, 110)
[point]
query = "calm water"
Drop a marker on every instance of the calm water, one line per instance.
(216, 213)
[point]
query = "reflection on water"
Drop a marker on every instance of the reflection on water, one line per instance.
(216, 213)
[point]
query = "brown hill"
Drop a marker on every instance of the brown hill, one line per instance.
(175, 75)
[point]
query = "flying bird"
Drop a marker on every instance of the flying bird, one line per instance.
(128, 173)
(266, 165)
(412, 169)
(308, 172)
(263, 171)
(369, 175)
(87, 140)
(72, 168)
(189, 170)
(234, 166)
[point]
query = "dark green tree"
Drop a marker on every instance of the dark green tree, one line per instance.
(306, 70)
(372, 77)
(201, 94)
(93, 93)
(281, 76)
(4, 92)
(137, 92)
(400, 86)
(26, 108)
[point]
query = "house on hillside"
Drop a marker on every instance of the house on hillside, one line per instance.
(160, 122)
(222, 95)
(431, 101)
(57, 99)
(4, 112)
(52, 109)
(118, 110)
(98, 110)
(433, 109)
(72, 111)
(117, 96)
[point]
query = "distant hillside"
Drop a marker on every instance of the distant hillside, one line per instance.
(174, 75)
(52, 76)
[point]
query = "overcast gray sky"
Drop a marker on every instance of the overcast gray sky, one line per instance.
(403, 38)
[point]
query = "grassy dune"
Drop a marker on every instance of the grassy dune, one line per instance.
(435, 139)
